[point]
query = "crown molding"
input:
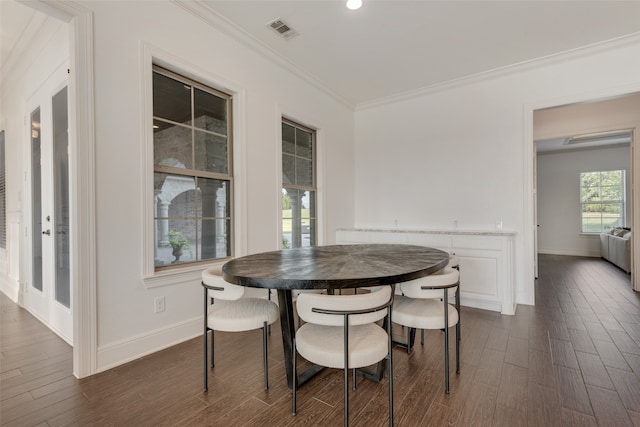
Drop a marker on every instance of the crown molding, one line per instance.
(221, 23)
(555, 58)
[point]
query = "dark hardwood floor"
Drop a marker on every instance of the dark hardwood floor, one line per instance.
(573, 359)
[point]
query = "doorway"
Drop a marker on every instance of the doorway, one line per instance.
(48, 288)
(570, 141)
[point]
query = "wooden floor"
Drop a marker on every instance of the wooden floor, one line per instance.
(573, 359)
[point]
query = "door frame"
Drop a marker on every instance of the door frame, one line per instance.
(529, 174)
(83, 273)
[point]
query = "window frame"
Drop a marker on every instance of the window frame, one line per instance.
(187, 273)
(622, 202)
(314, 220)
(193, 172)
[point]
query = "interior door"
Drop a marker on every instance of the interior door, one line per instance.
(48, 291)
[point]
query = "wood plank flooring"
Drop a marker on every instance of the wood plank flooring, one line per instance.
(573, 359)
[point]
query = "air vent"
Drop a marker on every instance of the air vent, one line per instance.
(282, 28)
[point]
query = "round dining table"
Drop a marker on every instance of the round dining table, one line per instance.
(332, 268)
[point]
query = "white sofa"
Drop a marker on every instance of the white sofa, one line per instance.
(615, 247)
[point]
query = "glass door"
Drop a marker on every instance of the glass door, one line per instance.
(48, 295)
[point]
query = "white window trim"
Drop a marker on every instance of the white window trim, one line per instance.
(622, 202)
(282, 113)
(151, 55)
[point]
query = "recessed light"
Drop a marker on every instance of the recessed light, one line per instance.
(354, 4)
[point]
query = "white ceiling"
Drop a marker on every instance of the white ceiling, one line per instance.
(389, 47)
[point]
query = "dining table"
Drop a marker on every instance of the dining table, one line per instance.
(332, 268)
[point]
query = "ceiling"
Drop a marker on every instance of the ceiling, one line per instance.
(392, 47)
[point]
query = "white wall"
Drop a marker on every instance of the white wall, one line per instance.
(127, 325)
(559, 198)
(125, 305)
(464, 151)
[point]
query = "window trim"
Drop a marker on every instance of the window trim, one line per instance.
(319, 177)
(622, 202)
(189, 273)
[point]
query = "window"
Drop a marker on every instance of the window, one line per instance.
(3, 196)
(298, 186)
(602, 197)
(193, 177)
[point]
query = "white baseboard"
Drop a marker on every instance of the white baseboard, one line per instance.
(568, 252)
(481, 304)
(118, 353)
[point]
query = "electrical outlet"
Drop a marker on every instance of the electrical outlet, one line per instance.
(159, 305)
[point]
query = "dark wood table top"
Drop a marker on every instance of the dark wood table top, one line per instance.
(335, 267)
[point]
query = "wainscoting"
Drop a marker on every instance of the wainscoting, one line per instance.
(486, 260)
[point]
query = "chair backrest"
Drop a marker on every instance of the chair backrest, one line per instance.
(448, 277)
(373, 304)
(219, 288)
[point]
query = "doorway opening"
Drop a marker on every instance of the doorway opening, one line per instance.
(573, 145)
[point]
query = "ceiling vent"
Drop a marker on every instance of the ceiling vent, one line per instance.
(282, 28)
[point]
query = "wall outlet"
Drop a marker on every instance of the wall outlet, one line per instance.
(159, 305)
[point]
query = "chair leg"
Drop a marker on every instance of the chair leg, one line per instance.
(422, 336)
(458, 330)
(458, 346)
(206, 330)
(346, 371)
(264, 355)
(295, 378)
(446, 343)
(390, 370)
(206, 362)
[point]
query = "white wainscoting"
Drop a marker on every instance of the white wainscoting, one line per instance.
(486, 260)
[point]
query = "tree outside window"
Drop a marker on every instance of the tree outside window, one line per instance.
(602, 197)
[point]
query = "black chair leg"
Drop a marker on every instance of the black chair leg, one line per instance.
(206, 362)
(458, 347)
(446, 343)
(295, 378)
(265, 356)
(206, 329)
(390, 370)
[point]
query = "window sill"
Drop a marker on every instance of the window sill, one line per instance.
(176, 277)
(590, 234)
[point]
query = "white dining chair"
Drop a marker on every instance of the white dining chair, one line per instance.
(341, 332)
(424, 304)
(225, 309)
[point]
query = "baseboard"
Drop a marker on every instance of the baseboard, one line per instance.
(115, 354)
(568, 252)
(481, 304)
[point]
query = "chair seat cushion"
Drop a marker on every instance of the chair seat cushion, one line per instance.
(243, 314)
(324, 345)
(422, 313)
